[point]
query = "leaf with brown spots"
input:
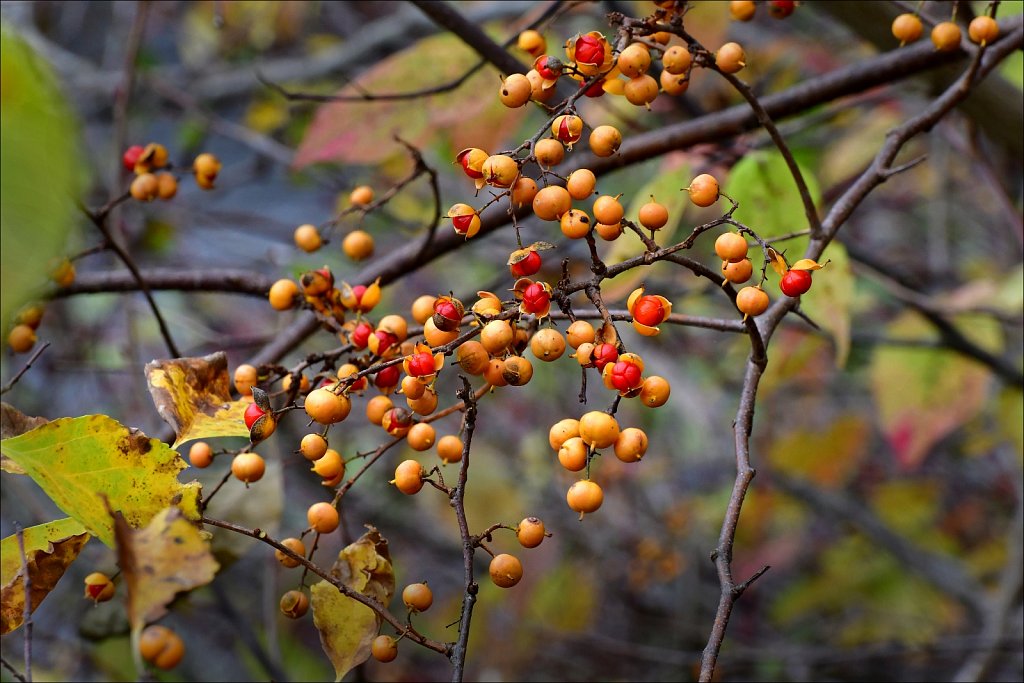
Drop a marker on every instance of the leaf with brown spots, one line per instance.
(13, 422)
(82, 460)
(166, 557)
(193, 395)
(169, 556)
(347, 628)
(49, 549)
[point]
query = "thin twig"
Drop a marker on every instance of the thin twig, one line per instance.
(373, 604)
(26, 585)
(28, 364)
(14, 672)
(458, 502)
(99, 220)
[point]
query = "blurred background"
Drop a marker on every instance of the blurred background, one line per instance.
(888, 497)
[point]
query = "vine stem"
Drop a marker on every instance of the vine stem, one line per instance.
(26, 582)
(378, 608)
(458, 655)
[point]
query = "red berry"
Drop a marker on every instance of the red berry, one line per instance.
(385, 340)
(595, 90)
(535, 298)
(626, 376)
(648, 310)
(528, 266)
(589, 50)
(253, 413)
(603, 354)
(361, 335)
(131, 155)
(389, 376)
(795, 282)
(421, 364)
(548, 67)
(780, 9)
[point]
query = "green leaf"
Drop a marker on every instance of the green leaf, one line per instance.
(193, 395)
(79, 462)
(769, 202)
(828, 301)
(49, 550)
(347, 627)
(41, 171)
(666, 180)
(924, 394)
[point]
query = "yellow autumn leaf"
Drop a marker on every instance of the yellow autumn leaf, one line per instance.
(346, 626)
(193, 395)
(49, 550)
(778, 262)
(169, 555)
(83, 461)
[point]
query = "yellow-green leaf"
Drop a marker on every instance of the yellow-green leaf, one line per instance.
(193, 395)
(169, 555)
(828, 301)
(12, 423)
(347, 627)
(38, 208)
(80, 462)
(49, 549)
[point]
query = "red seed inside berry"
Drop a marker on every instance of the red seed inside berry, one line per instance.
(648, 310)
(253, 413)
(625, 376)
(795, 282)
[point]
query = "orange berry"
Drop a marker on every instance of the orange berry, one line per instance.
(983, 30)
(631, 444)
(703, 190)
(730, 58)
(605, 141)
(358, 245)
(530, 532)
(327, 407)
(551, 202)
(384, 649)
(21, 338)
(580, 183)
(200, 454)
(417, 597)
(296, 546)
(283, 294)
(946, 36)
(408, 477)
(752, 301)
(584, 496)
(572, 454)
(376, 407)
(246, 378)
(731, 246)
(322, 517)
(307, 238)
(598, 429)
(420, 436)
(652, 215)
(248, 467)
(449, 448)
(361, 196)
(161, 647)
(654, 392)
(907, 28)
(737, 271)
(294, 604)
(562, 431)
(330, 465)
(549, 152)
(423, 308)
(506, 570)
(580, 332)
(515, 91)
